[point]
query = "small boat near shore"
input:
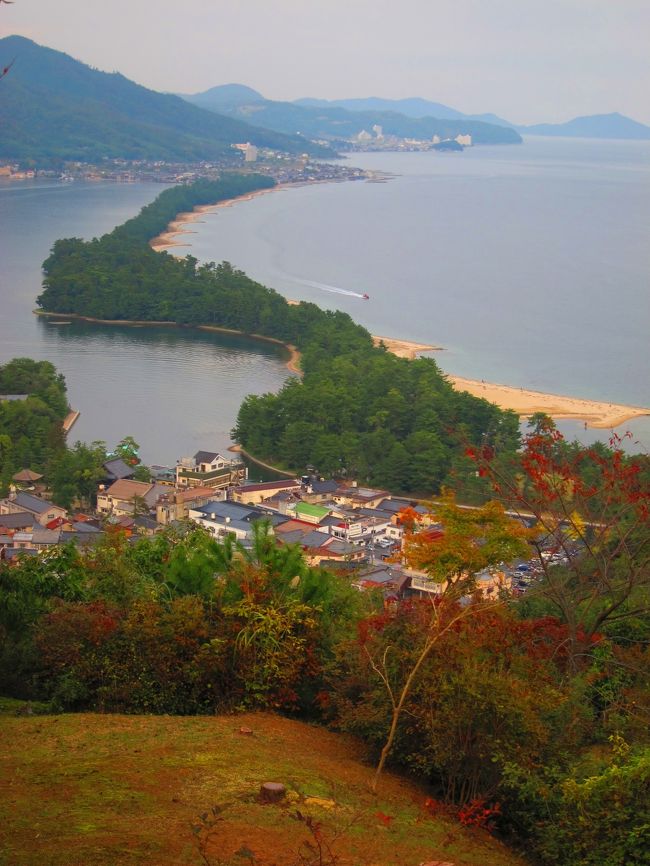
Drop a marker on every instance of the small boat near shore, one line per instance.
(365, 296)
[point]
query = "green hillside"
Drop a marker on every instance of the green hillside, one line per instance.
(105, 789)
(54, 108)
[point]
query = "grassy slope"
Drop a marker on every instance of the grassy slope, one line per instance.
(93, 789)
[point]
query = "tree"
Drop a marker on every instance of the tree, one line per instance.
(128, 449)
(591, 510)
(469, 541)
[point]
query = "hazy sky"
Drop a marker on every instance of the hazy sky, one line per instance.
(527, 60)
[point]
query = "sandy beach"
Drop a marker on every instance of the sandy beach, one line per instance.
(404, 348)
(525, 403)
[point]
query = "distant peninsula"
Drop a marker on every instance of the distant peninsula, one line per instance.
(613, 126)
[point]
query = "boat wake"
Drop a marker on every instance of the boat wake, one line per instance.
(336, 290)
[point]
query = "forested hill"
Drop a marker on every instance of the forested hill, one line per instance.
(358, 410)
(55, 108)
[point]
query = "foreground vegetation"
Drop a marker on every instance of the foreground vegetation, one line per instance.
(525, 715)
(163, 791)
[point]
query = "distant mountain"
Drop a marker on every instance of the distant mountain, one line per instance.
(226, 96)
(411, 107)
(334, 122)
(54, 108)
(593, 126)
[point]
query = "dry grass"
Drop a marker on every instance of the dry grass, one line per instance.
(106, 790)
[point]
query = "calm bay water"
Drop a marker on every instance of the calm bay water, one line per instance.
(529, 264)
(174, 390)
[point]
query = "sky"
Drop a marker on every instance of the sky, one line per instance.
(529, 61)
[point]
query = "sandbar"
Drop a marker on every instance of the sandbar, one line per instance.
(166, 240)
(523, 401)
(405, 348)
(594, 413)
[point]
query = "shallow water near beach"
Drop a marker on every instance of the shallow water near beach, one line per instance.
(529, 264)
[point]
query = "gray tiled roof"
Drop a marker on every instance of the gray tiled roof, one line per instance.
(293, 537)
(41, 535)
(230, 509)
(315, 539)
(33, 503)
(16, 521)
(324, 486)
(117, 469)
(13, 553)
(205, 456)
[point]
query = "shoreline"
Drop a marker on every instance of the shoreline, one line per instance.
(165, 240)
(237, 449)
(292, 363)
(69, 421)
(597, 414)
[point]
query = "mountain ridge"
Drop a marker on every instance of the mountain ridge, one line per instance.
(613, 125)
(58, 109)
(336, 123)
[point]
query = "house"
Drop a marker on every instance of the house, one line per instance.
(310, 513)
(24, 520)
(315, 489)
(116, 470)
(209, 469)
(26, 477)
(359, 497)
(141, 524)
(162, 474)
(253, 494)
(391, 581)
(318, 546)
(489, 583)
(19, 502)
(127, 497)
(282, 502)
(39, 538)
(176, 504)
(222, 518)
(330, 549)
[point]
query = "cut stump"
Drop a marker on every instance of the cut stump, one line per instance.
(272, 792)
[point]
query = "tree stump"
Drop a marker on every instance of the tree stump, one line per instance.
(272, 792)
